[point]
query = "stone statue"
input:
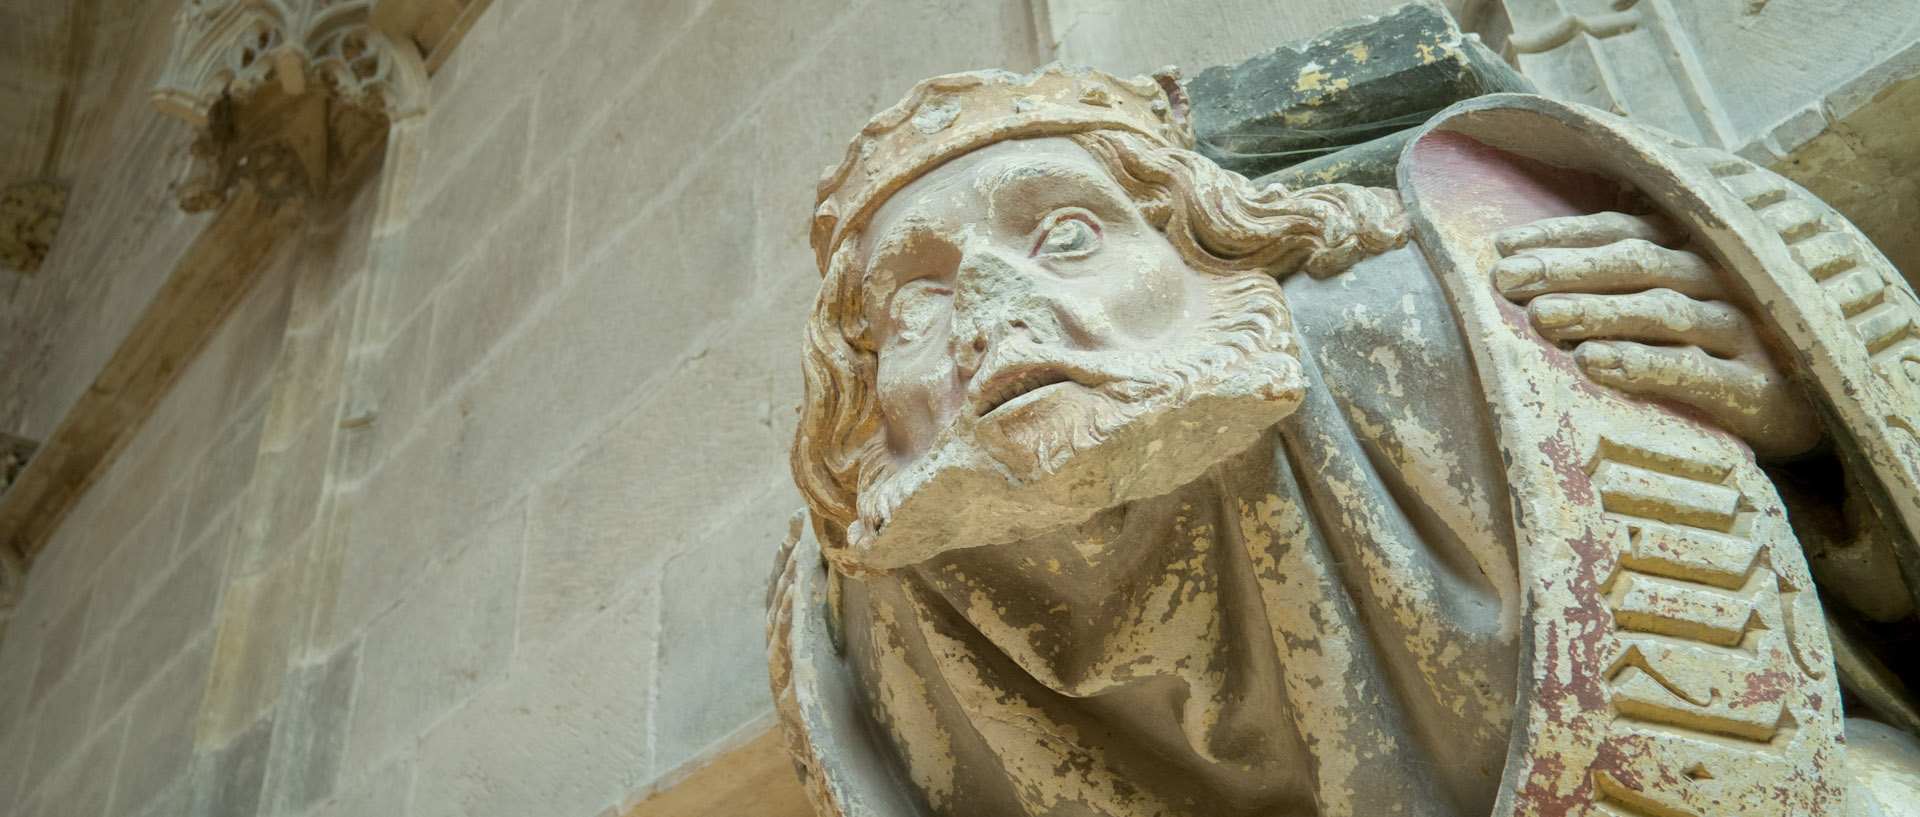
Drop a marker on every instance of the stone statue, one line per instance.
(1137, 490)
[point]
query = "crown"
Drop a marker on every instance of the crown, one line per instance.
(949, 115)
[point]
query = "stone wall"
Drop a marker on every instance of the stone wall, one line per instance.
(115, 247)
(105, 660)
(1143, 35)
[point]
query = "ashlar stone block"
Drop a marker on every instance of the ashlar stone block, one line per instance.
(712, 654)
(567, 735)
(63, 642)
(161, 731)
(19, 652)
(135, 567)
(284, 498)
(83, 786)
(176, 799)
(522, 261)
(260, 625)
(58, 575)
(15, 743)
(227, 779)
(226, 470)
(726, 53)
(702, 436)
(177, 612)
(587, 356)
(310, 739)
(387, 392)
(254, 331)
(389, 538)
(869, 56)
(115, 508)
(308, 376)
(66, 718)
(386, 791)
(472, 197)
(572, 96)
(498, 64)
(452, 636)
(624, 316)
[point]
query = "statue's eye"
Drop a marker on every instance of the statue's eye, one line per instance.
(917, 310)
(1069, 234)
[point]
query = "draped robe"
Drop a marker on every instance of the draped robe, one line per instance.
(1341, 620)
(1306, 630)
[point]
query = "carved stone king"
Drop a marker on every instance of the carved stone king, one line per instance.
(1138, 489)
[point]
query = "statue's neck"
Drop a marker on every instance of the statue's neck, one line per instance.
(1137, 586)
(1156, 595)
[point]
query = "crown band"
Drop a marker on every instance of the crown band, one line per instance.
(946, 116)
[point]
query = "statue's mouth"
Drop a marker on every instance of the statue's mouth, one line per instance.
(1016, 382)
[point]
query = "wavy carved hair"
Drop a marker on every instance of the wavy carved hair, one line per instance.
(1216, 219)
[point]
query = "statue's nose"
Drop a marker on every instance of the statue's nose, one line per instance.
(999, 298)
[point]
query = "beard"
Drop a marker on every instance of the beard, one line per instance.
(1147, 425)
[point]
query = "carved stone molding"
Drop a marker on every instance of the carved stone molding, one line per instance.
(290, 100)
(11, 576)
(14, 453)
(436, 26)
(30, 214)
(291, 95)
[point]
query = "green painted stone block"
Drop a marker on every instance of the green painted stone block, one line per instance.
(1358, 86)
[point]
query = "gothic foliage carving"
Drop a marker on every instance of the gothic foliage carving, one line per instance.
(291, 95)
(30, 214)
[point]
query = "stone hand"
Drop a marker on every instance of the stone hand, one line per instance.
(1652, 321)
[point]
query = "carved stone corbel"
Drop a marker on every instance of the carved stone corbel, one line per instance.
(30, 214)
(291, 95)
(290, 101)
(14, 454)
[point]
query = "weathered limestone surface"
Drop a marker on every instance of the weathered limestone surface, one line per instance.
(61, 67)
(565, 307)
(1136, 488)
(64, 322)
(228, 780)
(161, 729)
(439, 646)
(143, 656)
(311, 736)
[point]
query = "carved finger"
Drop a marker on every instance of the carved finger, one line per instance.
(1633, 265)
(1595, 230)
(1660, 316)
(1685, 374)
(1747, 398)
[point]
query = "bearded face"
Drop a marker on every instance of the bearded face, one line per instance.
(1044, 352)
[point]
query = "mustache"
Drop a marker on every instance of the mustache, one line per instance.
(1013, 369)
(1248, 329)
